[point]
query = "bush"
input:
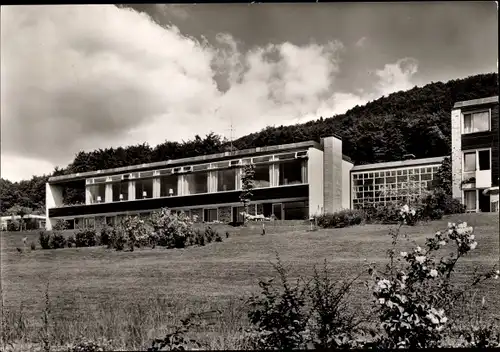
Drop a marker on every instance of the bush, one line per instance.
(415, 293)
(71, 242)
(299, 316)
(118, 239)
(173, 230)
(105, 236)
(60, 225)
(13, 226)
(439, 203)
(339, 219)
(57, 240)
(388, 214)
(86, 238)
(44, 239)
(33, 246)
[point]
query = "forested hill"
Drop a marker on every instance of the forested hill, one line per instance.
(415, 121)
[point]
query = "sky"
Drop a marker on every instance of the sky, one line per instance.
(83, 77)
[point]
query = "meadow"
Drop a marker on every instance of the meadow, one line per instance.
(134, 297)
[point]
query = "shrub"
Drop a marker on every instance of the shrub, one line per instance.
(299, 316)
(57, 240)
(173, 230)
(342, 218)
(105, 236)
(33, 246)
(13, 226)
(210, 234)
(86, 238)
(71, 242)
(44, 239)
(88, 345)
(412, 298)
(199, 237)
(388, 214)
(118, 239)
(60, 225)
(439, 203)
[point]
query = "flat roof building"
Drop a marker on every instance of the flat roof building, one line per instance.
(292, 181)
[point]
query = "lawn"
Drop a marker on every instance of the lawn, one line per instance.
(133, 297)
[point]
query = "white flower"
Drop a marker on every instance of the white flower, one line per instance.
(405, 208)
(404, 254)
(473, 245)
(418, 249)
(412, 212)
(433, 273)
(471, 237)
(381, 300)
(420, 259)
(403, 285)
(403, 278)
(442, 243)
(433, 318)
(444, 320)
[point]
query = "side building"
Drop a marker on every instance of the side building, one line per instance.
(395, 181)
(292, 181)
(474, 126)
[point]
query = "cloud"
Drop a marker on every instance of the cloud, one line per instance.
(396, 76)
(93, 76)
(361, 42)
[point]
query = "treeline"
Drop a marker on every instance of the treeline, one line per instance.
(416, 122)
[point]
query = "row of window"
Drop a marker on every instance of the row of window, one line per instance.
(297, 210)
(285, 173)
(477, 160)
(383, 187)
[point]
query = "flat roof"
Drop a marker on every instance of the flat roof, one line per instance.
(398, 164)
(191, 160)
(473, 102)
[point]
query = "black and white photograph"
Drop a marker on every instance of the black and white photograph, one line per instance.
(249, 176)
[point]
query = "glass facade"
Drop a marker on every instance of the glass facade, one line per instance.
(382, 187)
(226, 180)
(168, 186)
(196, 183)
(144, 188)
(120, 191)
(97, 193)
(261, 176)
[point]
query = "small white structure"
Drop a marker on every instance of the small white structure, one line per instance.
(5, 220)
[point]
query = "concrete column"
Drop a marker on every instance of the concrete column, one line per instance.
(108, 195)
(346, 184)
(156, 187)
(88, 196)
(53, 199)
(131, 190)
(456, 152)
(332, 174)
(315, 181)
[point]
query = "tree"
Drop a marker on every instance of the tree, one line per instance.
(247, 185)
(444, 177)
(21, 211)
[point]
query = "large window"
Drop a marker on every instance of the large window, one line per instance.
(210, 215)
(144, 188)
(261, 176)
(197, 182)
(226, 180)
(392, 186)
(168, 186)
(296, 210)
(120, 191)
(470, 199)
(291, 172)
(97, 193)
(476, 121)
(477, 160)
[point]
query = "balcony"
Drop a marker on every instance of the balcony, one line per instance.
(483, 178)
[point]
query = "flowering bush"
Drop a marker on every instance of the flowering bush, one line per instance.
(136, 231)
(413, 298)
(172, 230)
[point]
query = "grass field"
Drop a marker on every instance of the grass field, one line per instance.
(133, 297)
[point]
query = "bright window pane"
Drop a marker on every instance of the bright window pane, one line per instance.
(480, 121)
(226, 180)
(468, 123)
(470, 199)
(470, 162)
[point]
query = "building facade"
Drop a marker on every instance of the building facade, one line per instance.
(474, 125)
(292, 181)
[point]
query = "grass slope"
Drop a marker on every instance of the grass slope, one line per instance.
(133, 297)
